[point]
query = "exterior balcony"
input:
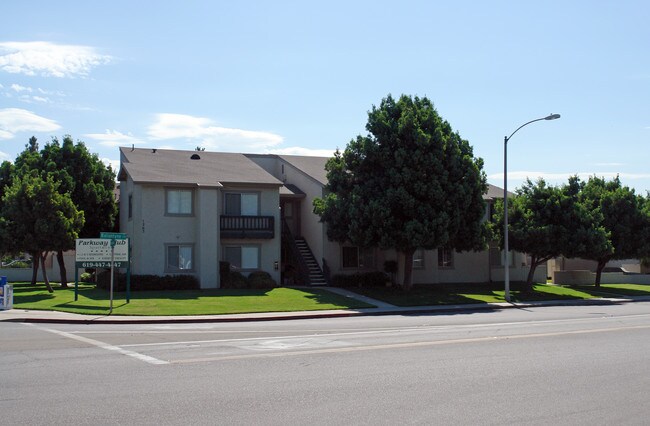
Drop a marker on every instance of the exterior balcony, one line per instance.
(247, 227)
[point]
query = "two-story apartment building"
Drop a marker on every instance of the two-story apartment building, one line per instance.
(185, 211)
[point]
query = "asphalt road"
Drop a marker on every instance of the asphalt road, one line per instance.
(552, 365)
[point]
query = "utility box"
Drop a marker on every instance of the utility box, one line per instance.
(6, 294)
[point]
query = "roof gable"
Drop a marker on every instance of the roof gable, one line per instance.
(311, 166)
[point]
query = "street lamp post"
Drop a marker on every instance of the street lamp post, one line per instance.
(506, 266)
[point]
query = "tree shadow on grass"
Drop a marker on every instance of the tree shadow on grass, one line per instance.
(93, 309)
(459, 294)
(611, 291)
(324, 297)
(430, 295)
(99, 294)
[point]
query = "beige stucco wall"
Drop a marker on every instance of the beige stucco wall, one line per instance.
(51, 266)
(150, 230)
(584, 277)
(207, 230)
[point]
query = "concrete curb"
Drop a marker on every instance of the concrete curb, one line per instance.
(54, 317)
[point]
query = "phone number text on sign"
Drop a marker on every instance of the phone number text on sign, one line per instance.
(100, 264)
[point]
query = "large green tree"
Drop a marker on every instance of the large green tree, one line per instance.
(622, 214)
(90, 184)
(37, 219)
(549, 221)
(81, 175)
(411, 182)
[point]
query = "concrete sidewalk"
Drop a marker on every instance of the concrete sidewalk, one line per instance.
(382, 308)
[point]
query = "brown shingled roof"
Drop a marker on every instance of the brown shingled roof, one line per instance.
(177, 167)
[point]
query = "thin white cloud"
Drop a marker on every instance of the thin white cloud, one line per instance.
(296, 150)
(18, 88)
(49, 59)
(41, 99)
(3, 155)
(115, 164)
(14, 120)
(114, 138)
(202, 131)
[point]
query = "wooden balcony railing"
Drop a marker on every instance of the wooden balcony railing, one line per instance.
(251, 227)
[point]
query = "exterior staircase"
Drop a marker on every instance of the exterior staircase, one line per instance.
(316, 276)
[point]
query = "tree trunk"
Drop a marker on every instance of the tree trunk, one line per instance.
(534, 263)
(36, 259)
(47, 281)
(64, 278)
(599, 271)
(408, 270)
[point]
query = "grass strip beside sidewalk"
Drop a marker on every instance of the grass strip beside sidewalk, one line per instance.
(448, 294)
(186, 302)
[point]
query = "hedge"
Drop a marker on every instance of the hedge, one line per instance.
(148, 282)
(364, 279)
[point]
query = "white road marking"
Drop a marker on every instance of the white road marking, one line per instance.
(399, 345)
(362, 333)
(141, 357)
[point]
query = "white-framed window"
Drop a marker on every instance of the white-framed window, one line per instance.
(242, 257)
(180, 257)
(179, 202)
(242, 204)
(445, 258)
(418, 259)
(354, 257)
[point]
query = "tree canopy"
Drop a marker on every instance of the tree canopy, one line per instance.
(36, 218)
(622, 214)
(411, 182)
(80, 175)
(549, 221)
(598, 220)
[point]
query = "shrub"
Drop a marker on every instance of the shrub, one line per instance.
(374, 279)
(261, 280)
(390, 266)
(345, 280)
(365, 279)
(235, 280)
(148, 282)
(224, 271)
(86, 277)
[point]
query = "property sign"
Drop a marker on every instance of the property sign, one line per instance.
(98, 250)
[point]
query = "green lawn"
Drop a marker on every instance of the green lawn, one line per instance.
(205, 302)
(613, 290)
(187, 302)
(445, 294)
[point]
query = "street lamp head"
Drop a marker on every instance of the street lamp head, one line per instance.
(552, 117)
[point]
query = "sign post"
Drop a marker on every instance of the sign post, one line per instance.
(109, 251)
(113, 237)
(110, 311)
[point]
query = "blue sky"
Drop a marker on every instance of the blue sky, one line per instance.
(298, 77)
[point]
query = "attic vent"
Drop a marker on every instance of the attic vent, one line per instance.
(195, 157)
